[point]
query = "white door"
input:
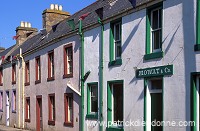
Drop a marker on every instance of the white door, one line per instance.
(7, 108)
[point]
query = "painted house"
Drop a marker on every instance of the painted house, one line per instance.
(116, 65)
(44, 88)
(142, 59)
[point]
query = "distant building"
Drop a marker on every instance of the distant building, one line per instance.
(116, 65)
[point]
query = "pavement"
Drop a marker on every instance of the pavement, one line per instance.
(5, 128)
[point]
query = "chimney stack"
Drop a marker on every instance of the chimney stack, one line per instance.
(24, 31)
(53, 16)
(2, 49)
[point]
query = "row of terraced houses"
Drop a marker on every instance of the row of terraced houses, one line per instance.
(109, 65)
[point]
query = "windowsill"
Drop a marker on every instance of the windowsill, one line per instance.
(67, 76)
(92, 116)
(68, 124)
(37, 82)
(197, 47)
(51, 78)
(1, 84)
(27, 83)
(13, 111)
(114, 129)
(13, 82)
(27, 120)
(51, 122)
(115, 62)
(154, 55)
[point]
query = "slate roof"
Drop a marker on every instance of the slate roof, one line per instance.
(6, 51)
(110, 8)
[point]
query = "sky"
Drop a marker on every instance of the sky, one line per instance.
(15, 11)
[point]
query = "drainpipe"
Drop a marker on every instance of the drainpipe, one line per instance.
(19, 96)
(82, 74)
(22, 69)
(101, 78)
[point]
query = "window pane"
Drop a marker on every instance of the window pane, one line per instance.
(69, 60)
(70, 67)
(118, 102)
(38, 69)
(156, 110)
(27, 71)
(156, 39)
(94, 98)
(70, 109)
(155, 19)
(69, 54)
(28, 108)
(118, 49)
(53, 107)
(117, 32)
(51, 64)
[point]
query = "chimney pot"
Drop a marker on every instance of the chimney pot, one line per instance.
(29, 25)
(25, 24)
(22, 24)
(60, 7)
(56, 6)
(52, 6)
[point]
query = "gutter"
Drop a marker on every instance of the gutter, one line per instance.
(82, 74)
(101, 77)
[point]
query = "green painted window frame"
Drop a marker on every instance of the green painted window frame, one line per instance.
(149, 54)
(145, 99)
(197, 45)
(89, 114)
(193, 100)
(113, 61)
(109, 104)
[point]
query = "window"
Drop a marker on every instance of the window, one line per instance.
(37, 70)
(115, 103)
(156, 30)
(115, 43)
(92, 100)
(1, 76)
(27, 74)
(52, 112)
(50, 66)
(1, 100)
(154, 33)
(68, 61)
(68, 99)
(27, 110)
(14, 101)
(13, 73)
(154, 102)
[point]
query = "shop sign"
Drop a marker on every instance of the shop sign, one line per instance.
(155, 71)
